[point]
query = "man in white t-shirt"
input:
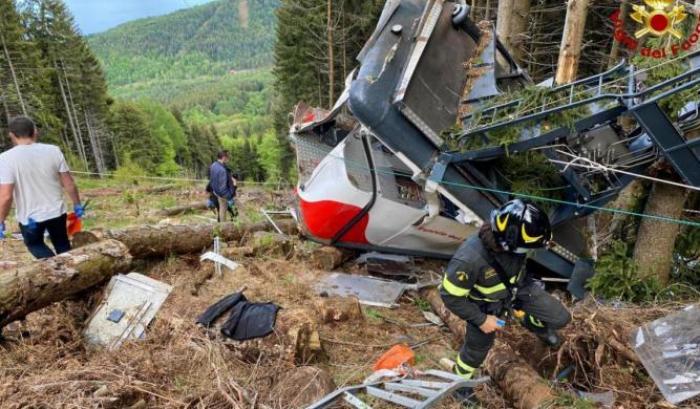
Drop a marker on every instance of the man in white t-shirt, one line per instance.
(35, 175)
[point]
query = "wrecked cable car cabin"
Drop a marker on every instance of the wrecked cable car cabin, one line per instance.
(407, 161)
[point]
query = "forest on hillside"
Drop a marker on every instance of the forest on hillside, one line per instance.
(213, 39)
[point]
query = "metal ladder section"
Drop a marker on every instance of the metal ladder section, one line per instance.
(420, 392)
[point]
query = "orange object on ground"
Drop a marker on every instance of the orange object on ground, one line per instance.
(75, 225)
(395, 357)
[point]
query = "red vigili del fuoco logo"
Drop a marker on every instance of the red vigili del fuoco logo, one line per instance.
(656, 18)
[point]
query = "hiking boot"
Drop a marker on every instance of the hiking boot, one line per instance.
(549, 337)
(465, 396)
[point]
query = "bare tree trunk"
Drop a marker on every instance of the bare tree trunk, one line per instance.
(68, 111)
(653, 251)
(244, 13)
(656, 240)
(41, 283)
(570, 51)
(176, 211)
(512, 25)
(331, 58)
(14, 75)
(95, 146)
(74, 112)
(487, 14)
(345, 44)
(472, 11)
(161, 241)
(4, 103)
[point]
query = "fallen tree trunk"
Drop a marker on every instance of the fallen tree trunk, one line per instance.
(163, 240)
(176, 211)
(41, 283)
(522, 384)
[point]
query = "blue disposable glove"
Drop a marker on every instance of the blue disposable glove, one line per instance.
(211, 204)
(79, 211)
(31, 224)
(231, 203)
(2, 231)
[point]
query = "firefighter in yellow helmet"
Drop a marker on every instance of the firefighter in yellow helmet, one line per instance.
(486, 280)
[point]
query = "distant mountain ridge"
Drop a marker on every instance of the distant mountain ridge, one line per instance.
(211, 39)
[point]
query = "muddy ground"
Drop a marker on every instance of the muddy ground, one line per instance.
(45, 363)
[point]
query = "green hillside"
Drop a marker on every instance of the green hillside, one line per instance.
(209, 40)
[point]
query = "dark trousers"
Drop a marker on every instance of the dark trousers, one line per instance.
(34, 237)
(542, 311)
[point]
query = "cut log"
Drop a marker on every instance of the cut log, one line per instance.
(522, 384)
(176, 211)
(237, 253)
(338, 309)
(41, 283)
(329, 258)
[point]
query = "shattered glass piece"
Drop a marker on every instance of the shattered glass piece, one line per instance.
(432, 318)
(668, 348)
(219, 259)
(605, 399)
(369, 290)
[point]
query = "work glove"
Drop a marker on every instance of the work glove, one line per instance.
(79, 211)
(210, 204)
(231, 203)
(2, 231)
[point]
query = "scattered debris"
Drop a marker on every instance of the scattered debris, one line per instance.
(267, 214)
(247, 320)
(669, 349)
(396, 357)
(420, 390)
(433, 319)
(369, 290)
(605, 399)
(219, 259)
(388, 264)
(131, 302)
(583, 271)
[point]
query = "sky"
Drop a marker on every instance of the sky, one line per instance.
(94, 16)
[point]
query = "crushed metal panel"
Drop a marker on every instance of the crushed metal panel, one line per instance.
(431, 88)
(669, 348)
(370, 291)
(129, 305)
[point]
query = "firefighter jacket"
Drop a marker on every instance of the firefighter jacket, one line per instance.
(472, 287)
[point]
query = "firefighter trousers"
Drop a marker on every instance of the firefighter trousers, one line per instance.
(542, 313)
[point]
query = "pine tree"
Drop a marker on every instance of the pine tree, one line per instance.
(76, 75)
(24, 89)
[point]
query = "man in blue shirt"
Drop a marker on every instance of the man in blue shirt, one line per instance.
(222, 184)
